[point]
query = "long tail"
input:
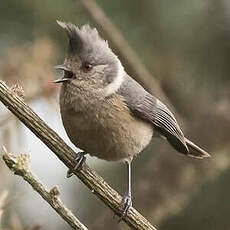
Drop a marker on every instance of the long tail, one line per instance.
(195, 151)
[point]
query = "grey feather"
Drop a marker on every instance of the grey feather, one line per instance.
(151, 109)
(195, 151)
(75, 40)
(87, 44)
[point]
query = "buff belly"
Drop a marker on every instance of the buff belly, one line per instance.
(108, 130)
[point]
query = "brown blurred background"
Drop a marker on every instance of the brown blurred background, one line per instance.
(186, 47)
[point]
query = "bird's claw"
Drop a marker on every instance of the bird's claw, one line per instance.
(127, 204)
(80, 161)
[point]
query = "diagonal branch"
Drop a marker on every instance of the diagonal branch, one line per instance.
(9, 117)
(89, 177)
(19, 164)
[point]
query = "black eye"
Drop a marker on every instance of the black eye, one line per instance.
(68, 74)
(86, 66)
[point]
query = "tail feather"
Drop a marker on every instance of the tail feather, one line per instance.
(195, 151)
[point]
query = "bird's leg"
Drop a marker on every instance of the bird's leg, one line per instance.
(127, 198)
(80, 158)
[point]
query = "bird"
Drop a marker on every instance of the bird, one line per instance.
(105, 112)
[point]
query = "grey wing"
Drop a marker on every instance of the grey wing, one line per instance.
(151, 109)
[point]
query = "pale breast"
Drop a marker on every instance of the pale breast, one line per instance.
(107, 130)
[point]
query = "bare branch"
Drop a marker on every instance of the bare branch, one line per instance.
(92, 180)
(8, 117)
(19, 164)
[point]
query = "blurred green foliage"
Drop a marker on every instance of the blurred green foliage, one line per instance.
(207, 210)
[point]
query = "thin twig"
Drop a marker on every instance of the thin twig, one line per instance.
(90, 178)
(19, 164)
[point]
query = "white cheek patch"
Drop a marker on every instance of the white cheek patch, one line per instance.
(116, 83)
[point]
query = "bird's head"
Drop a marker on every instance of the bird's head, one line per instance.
(89, 59)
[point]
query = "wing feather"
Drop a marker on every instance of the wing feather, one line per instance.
(151, 109)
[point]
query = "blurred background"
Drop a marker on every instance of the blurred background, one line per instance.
(185, 47)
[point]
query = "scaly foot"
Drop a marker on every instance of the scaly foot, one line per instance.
(127, 204)
(80, 161)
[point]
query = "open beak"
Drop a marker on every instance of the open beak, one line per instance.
(61, 80)
(64, 68)
(61, 67)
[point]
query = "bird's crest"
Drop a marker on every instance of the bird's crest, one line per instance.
(84, 38)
